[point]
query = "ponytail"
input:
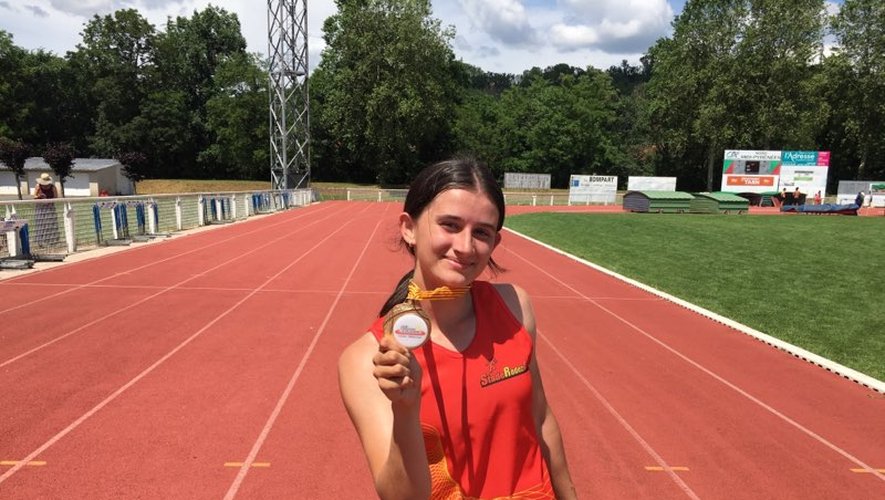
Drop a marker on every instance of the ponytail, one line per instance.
(399, 293)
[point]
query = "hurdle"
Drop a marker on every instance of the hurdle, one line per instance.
(119, 226)
(146, 220)
(146, 217)
(216, 209)
(261, 203)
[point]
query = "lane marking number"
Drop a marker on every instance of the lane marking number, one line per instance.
(240, 464)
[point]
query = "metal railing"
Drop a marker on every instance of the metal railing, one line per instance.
(510, 197)
(67, 225)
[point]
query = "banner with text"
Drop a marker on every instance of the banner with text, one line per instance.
(637, 183)
(592, 189)
(516, 180)
(761, 171)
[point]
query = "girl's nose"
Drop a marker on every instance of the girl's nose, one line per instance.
(464, 242)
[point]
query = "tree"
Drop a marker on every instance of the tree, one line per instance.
(689, 88)
(60, 158)
(561, 129)
(857, 81)
(117, 56)
(14, 154)
(736, 73)
(390, 87)
(11, 88)
(474, 78)
(779, 83)
(476, 128)
(626, 78)
(134, 164)
(237, 118)
(189, 54)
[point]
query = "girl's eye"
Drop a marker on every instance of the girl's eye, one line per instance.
(482, 234)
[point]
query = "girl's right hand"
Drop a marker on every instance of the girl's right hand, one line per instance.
(398, 372)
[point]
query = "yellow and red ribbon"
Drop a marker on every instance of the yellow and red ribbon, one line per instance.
(441, 293)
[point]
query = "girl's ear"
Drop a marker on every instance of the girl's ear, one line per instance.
(407, 228)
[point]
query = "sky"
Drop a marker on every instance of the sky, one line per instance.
(504, 36)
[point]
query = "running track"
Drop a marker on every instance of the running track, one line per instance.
(205, 367)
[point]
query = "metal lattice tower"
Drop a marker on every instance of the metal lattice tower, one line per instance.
(288, 90)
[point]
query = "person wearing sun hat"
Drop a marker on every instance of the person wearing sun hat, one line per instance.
(45, 187)
(46, 219)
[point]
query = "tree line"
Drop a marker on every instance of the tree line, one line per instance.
(389, 95)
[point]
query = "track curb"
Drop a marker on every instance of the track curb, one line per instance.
(796, 351)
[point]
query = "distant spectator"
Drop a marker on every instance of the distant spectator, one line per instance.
(797, 196)
(45, 225)
(858, 200)
(817, 198)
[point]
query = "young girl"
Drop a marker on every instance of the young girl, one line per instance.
(464, 415)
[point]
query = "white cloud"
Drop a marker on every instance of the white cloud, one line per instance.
(37, 10)
(614, 26)
(507, 36)
(503, 20)
(88, 8)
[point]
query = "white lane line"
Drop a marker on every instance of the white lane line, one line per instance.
(76, 423)
(712, 374)
(621, 420)
(149, 297)
(256, 447)
(152, 263)
(827, 364)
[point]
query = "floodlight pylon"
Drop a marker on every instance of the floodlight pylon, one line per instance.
(288, 92)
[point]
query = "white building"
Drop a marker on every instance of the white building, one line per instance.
(89, 177)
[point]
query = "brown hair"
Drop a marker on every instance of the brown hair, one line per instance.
(457, 173)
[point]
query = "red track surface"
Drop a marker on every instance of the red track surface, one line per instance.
(143, 373)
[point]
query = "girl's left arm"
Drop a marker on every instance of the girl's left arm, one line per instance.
(550, 439)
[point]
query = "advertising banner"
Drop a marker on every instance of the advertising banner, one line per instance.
(755, 171)
(809, 179)
(742, 182)
(636, 183)
(762, 171)
(805, 158)
(877, 193)
(592, 189)
(515, 180)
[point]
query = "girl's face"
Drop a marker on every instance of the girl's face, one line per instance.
(453, 238)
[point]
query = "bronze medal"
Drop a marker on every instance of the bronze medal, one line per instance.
(408, 324)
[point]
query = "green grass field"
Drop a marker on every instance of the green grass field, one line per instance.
(817, 282)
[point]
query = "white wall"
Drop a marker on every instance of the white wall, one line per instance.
(78, 185)
(124, 185)
(7, 184)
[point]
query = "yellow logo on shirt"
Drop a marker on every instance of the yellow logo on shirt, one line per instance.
(494, 376)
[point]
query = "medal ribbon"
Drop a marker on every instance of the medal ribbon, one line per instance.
(441, 293)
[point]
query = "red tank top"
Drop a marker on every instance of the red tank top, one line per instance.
(476, 409)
